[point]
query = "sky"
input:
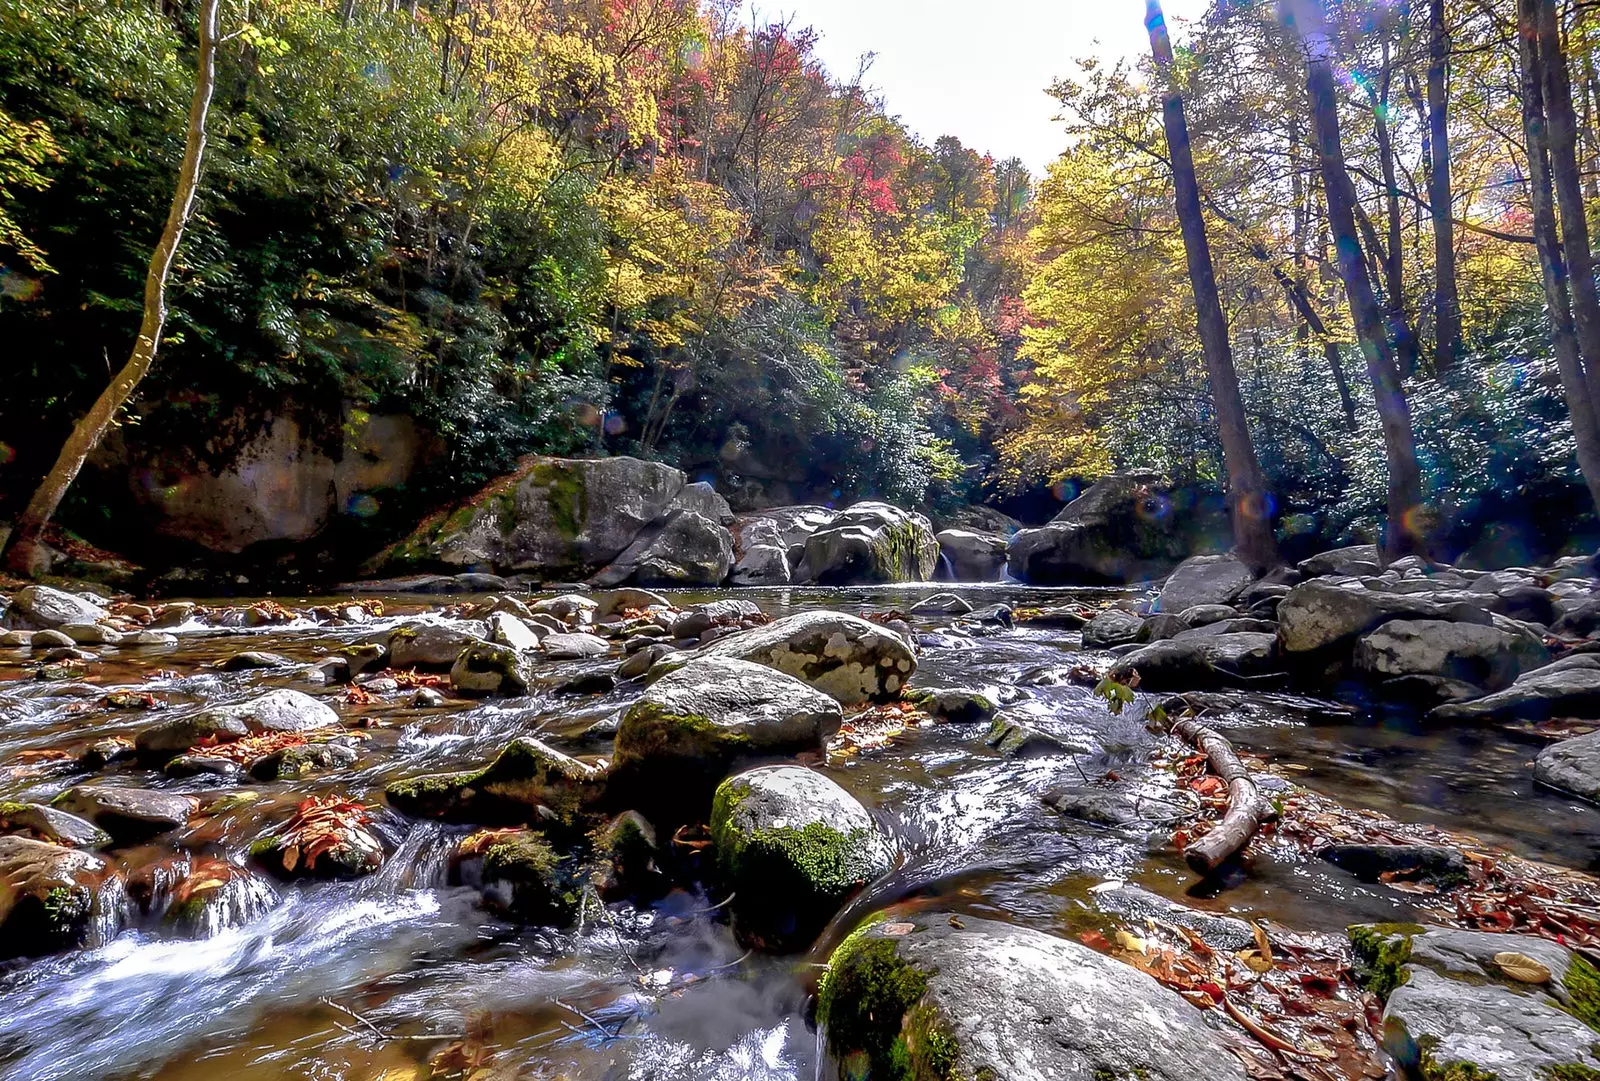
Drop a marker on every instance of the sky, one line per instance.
(975, 69)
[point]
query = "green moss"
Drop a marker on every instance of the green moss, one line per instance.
(1570, 1072)
(522, 879)
(566, 493)
(649, 730)
(1433, 1070)
(1383, 949)
(898, 550)
(1582, 983)
(870, 1003)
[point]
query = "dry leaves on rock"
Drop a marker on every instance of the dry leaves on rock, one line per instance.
(320, 824)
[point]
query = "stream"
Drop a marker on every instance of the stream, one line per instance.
(373, 979)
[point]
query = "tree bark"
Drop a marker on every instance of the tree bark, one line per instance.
(1552, 263)
(1561, 139)
(27, 552)
(1393, 251)
(1446, 291)
(1247, 486)
(1404, 532)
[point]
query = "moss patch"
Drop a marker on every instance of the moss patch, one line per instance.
(870, 1003)
(522, 879)
(1582, 983)
(650, 730)
(1433, 1070)
(1571, 1072)
(1383, 949)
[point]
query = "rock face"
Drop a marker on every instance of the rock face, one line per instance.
(693, 723)
(1537, 696)
(47, 896)
(1573, 765)
(870, 543)
(1488, 656)
(1121, 530)
(1204, 580)
(970, 556)
(687, 549)
(45, 608)
(557, 517)
(1321, 614)
(794, 847)
(1203, 663)
(761, 555)
(938, 995)
(843, 655)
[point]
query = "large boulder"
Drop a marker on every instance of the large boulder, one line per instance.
(1121, 530)
(793, 847)
(1358, 559)
(1199, 580)
(1489, 656)
(489, 668)
(1319, 615)
(47, 896)
(1572, 765)
(686, 549)
(969, 556)
(695, 722)
(870, 543)
(528, 781)
(555, 517)
(1204, 663)
(275, 711)
(761, 555)
(849, 658)
(1537, 696)
(433, 646)
(937, 995)
(794, 525)
(46, 608)
(1112, 627)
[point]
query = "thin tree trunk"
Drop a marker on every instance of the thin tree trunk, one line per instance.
(1446, 291)
(1404, 531)
(1247, 487)
(1561, 136)
(1394, 276)
(1552, 263)
(27, 553)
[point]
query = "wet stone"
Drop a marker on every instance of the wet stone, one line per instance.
(128, 814)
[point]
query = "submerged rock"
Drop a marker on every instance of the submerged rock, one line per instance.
(128, 814)
(843, 655)
(521, 877)
(47, 896)
(938, 995)
(793, 847)
(870, 543)
(1434, 864)
(1138, 905)
(692, 724)
(1018, 740)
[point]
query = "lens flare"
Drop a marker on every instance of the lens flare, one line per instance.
(361, 505)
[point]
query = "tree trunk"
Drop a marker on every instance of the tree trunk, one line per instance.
(27, 553)
(1404, 532)
(1446, 292)
(1552, 263)
(1561, 140)
(1247, 487)
(1394, 274)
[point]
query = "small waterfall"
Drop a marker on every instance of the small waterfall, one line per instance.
(422, 862)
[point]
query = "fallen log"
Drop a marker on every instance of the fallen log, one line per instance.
(1246, 807)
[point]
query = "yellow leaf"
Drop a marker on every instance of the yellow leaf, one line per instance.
(1522, 968)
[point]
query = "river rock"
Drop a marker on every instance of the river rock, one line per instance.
(1138, 905)
(1536, 696)
(955, 705)
(696, 721)
(511, 631)
(969, 556)
(1200, 664)
(629, 598)
(528, 781)
(49, 639)
(1488, 656)
(1572, 765)
(47, 896)
(275, 711)
(47, 608)
(128, 814)
(1121, 530)
(252, 659)
(569, 647)
(757, 564)
(572, 609)
(51, 824)
(870, 543)
(487, 668)
(522, 878)
(1016, 739)
(342, 847)
(794, 525)
(793, 847)
(1357, 559)
(91, 634)
(846, 656)
(1437, 865)
(1112, 627)
(431, 646)
(1215, 579)
(1318, 615)
(942, 604)
(686, 549)
(933, 994)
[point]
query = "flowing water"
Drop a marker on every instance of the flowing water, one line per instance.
(381, 977)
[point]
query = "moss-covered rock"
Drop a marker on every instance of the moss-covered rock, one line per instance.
(937, 997)
(957, 705)
(630, 851)
(521, 876)
(528, 781)
(870, 543)
(487, 668)
(793, 847)
(47, 896)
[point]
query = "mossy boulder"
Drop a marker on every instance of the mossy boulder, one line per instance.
(630, 848)
(693, 724)
(528, 781)
(521, 876)
(956, 705)
(939, 997)
(431, 646)
(1122, 529)
(47, 896)
(1455, 1011)
(51, 824)
(793, 847)
(487, 668)
(870, 543)
(846, 656)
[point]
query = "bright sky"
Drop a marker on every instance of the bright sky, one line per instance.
(975, 69)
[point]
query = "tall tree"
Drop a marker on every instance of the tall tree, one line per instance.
(1552, 262)
(1247, 487)
(1404, 530)
(1446, 290)
(27, 554)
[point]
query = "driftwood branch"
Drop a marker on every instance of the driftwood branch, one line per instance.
(1245, 803)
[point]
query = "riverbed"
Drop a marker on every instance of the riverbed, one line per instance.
(381, 977)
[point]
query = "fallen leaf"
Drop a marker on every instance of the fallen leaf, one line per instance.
(1521, 967)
